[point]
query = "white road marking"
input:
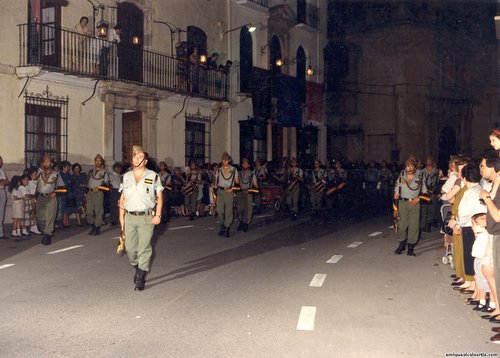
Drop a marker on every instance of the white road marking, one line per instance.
(334, 259)
(263, 216)
(376, 233)
(318, 280)
(63, 250)
(306, 318)
(5, 266)
(355, 244)
(180, 227)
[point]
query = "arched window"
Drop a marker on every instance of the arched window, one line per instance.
(196, 37)
(246, 60)
(275, 54)
(300, 58)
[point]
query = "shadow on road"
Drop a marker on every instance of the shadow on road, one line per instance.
(291, 236)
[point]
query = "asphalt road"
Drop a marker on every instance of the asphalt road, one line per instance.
(269, 292)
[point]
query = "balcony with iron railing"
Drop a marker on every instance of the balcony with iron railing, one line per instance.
(308, 14)
(68, 52)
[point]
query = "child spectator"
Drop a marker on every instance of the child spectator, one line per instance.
(17, 188)
(30, 201)
(478, 222)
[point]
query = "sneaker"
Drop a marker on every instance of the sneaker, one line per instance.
(25, 232)
(35, 230)
(14, 234)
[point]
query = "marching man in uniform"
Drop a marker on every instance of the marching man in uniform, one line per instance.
(225, 179)
(141, 204)
(46, 204)
(294, 177)
(318, 188)
(248, 181)
(408, 187)
(98, 177)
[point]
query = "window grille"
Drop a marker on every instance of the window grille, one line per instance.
(46, 127)
(197, 144)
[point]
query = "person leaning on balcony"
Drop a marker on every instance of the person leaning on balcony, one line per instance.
(194, 61)
(104, 54)
(81, 50)
(4, 182)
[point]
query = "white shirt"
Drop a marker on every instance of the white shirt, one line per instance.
(470, 205)
(449, 183)
(480, 243)
(2, 176)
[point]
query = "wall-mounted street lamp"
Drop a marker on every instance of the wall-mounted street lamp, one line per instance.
(102, 26)
(309, 71)
(279, 62)
(251, 28)
(136, 40)
(173, 29)
(203, 58)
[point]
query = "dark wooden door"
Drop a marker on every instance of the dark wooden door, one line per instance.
(130, 60)
(131, 133)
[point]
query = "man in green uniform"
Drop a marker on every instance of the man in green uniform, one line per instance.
(46, 204)
(408, 187)
(141, 204)
(225, 179)
(98, 181)
(248, 181)
(294, 176)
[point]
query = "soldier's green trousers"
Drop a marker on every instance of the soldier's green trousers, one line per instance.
(138, 234)
(292, 199)
(245, 206)
(95, 208)
(409, 221)
(46, 212)
(316, 200)
(225, 207)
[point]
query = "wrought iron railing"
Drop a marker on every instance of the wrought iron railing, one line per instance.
(263, 3)
(308, 14)
(69, 52)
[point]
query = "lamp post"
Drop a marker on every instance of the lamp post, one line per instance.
(173, 29)
(100, 24)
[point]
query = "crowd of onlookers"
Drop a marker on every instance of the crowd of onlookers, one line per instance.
(471, 226)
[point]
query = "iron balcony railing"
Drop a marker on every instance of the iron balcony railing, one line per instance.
(69, 52)
(308, 14)
(263, 3)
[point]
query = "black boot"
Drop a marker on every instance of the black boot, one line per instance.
(222, 230)
(141, 280)
(136, 275)
(245, 227)
(97, 230)
(240, 226)
(45, 240)
(227, 232)
(92, 229)
(410, 250)
(401, 248)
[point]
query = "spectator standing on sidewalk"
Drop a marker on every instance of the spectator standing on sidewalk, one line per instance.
(4, 182)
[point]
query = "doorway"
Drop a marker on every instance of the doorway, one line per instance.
(131, 133)
(131, 18)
